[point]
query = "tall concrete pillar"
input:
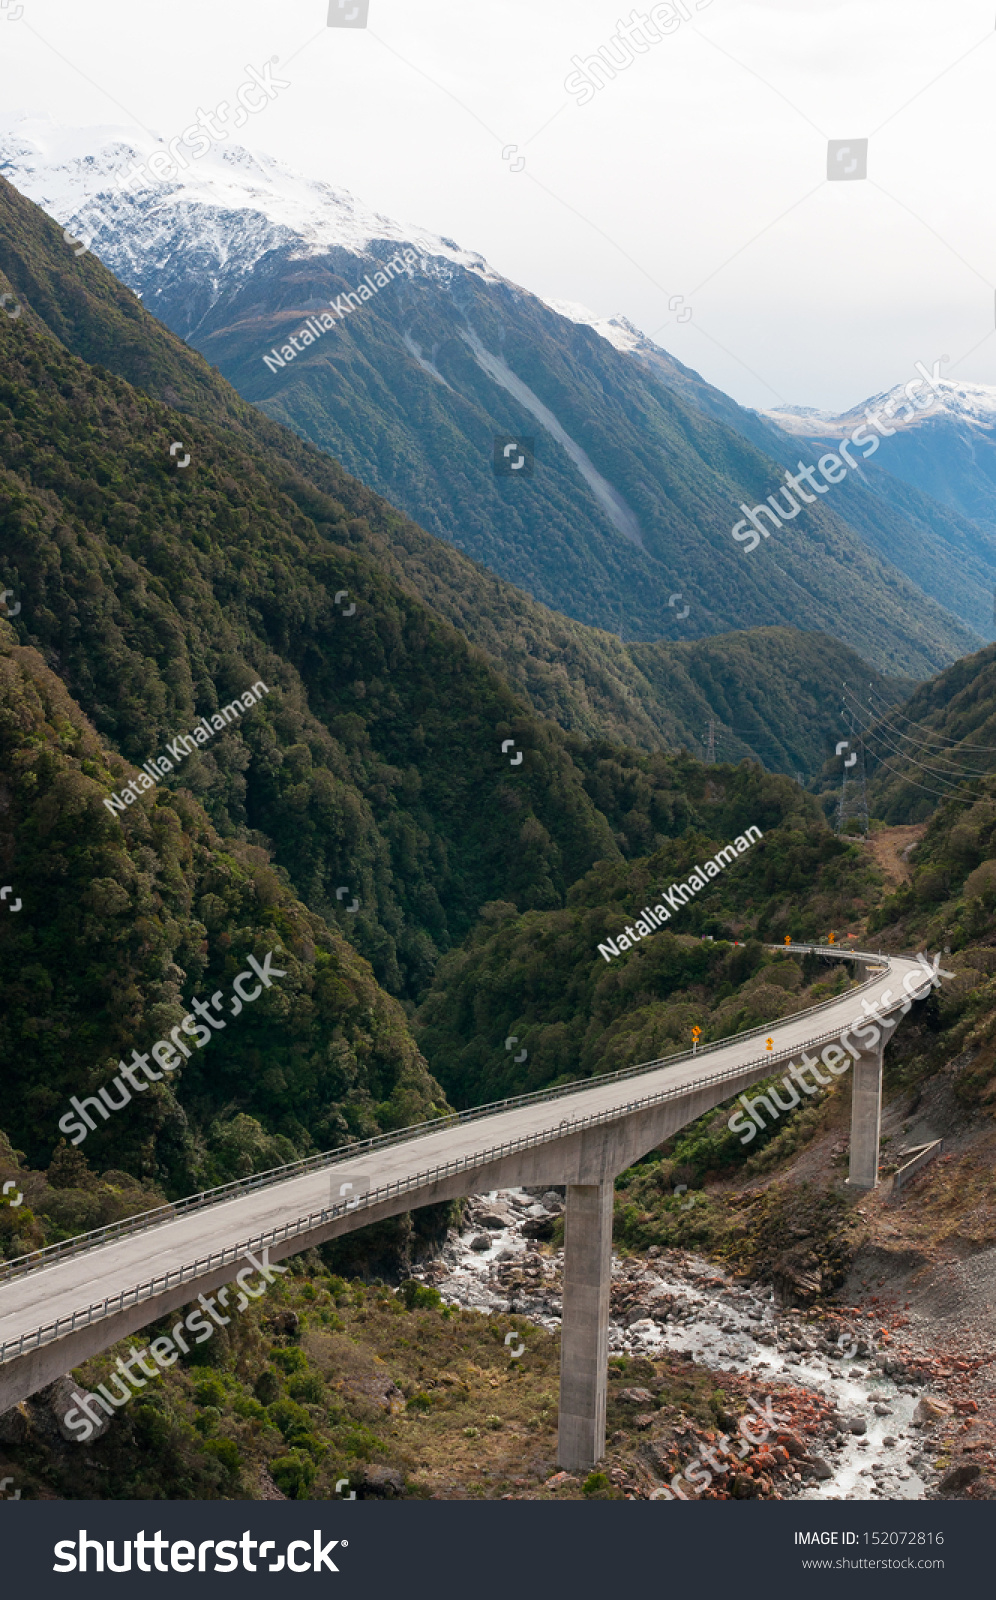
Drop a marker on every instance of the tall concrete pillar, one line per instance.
(866, 1118)
(584, 1340)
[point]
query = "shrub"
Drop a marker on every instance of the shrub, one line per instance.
(419, 1295)
(290, 1360)
(293, 1475)
(249, 1410)
(267, 1386)
(227, 1452)
(209, 1392)
(308, 1388)
(290, 1418)
(595, 1483)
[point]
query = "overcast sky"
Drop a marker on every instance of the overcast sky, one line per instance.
(700, 171)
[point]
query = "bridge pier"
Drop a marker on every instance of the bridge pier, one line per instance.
(584, 1338)
(866, 1118)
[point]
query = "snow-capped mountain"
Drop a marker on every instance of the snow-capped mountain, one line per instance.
(970, 403)
(637, 469)
(230, 208)
(946, 449)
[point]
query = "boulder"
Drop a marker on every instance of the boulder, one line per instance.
(857, 1425)
(959, 1477)
(930, 1410)
(745, 1487)
(381, 1483)
(480, 1241)
(637, 1313)
(537, 1228)
(791, 1442)
(643, 1419)
(820, 1468)
(491, 1220)
(58, 1398)
(638, 1397)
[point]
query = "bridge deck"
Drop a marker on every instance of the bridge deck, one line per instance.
(58, 1289)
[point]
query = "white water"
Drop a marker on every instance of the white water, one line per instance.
(726, 1327)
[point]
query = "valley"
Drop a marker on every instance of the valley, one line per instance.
(498, 716)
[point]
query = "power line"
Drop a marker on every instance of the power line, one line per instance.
(977, 749)
(938, 772)
(904, 777)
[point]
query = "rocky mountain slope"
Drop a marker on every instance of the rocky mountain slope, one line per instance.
(633, 496)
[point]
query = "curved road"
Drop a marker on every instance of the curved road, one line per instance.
(56, 1310)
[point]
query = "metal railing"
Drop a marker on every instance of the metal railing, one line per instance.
(111, 1306)
(93, 1240)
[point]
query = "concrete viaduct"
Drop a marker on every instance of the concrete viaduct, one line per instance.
(67, 1302)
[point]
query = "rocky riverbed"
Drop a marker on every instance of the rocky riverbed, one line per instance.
(875, 1437)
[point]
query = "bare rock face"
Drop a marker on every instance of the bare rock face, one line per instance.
(58, 1401)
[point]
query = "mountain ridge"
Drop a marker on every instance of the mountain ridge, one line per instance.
(426, 441)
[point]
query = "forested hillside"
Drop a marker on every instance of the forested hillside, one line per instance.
(635, 492)
(122, 922)
(938, 746)
(541, 976)
(585, 679)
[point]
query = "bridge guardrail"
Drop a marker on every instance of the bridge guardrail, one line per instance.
(98, 1310)
(36, 1259)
